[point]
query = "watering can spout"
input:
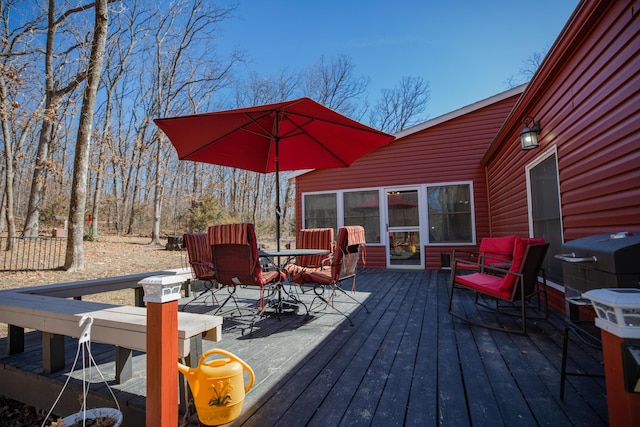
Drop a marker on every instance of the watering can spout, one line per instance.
(218, 386)
(184, 370)
(189, 374)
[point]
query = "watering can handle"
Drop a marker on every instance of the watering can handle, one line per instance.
(232, 357)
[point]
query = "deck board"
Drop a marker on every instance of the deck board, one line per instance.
(422, 406)
(406, 362)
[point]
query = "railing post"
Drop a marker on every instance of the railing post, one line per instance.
(161, 295)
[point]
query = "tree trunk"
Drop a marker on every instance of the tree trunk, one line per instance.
(134, 198)
(53, 96)
(32, 221)
(75, 256)
(8, 202)
(97, 191)
(157, 195)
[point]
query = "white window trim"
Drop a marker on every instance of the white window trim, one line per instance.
(422, 206)
(553, 150)
(542, 157)
(473, 213)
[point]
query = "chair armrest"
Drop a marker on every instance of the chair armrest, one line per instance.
(489, 260)
(497, 256)
(326, 261)
(464, 256)
(480, 260)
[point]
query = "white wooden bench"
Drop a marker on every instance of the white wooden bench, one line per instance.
(46, 309)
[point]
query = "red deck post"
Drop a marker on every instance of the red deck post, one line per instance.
(162, 350)
(624, 406)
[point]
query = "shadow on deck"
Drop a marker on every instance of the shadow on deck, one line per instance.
(407, 362)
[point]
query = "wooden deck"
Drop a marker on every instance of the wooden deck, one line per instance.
(407, 362)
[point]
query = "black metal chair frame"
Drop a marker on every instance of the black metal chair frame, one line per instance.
(348, 260)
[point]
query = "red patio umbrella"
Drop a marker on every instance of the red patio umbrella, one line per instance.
(290, 135)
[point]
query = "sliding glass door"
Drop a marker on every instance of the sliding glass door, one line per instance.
(403, 225)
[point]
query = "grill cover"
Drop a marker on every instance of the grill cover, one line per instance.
(616, 265)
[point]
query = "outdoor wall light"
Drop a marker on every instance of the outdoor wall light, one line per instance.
(529, 135)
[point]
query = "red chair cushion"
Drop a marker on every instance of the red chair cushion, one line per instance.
(519, 249)
(498, 286)
(355, 235)
(314, 238)
(199, 253)
(485, 283)
(318, 276)
(231, 233)
(497, 247)
(343, 263)
(298, 273)
(242, 234)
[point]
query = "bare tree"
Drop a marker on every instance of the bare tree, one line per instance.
(75, 255)
(401, 107)
(334, 84)
(527, 70)
(177, 70)
(183, 59)
(131, 24)
(54, 93)
(18, 99)
(259, 89)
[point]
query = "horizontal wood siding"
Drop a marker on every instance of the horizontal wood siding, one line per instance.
(376, 257)
(556, 300)
(590, 112)
(433, 255)
(447, 152)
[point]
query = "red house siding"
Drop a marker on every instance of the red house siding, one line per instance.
(445, 152)
(587, 96)
(589, 109)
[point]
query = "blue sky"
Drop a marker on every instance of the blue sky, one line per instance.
(465, 49)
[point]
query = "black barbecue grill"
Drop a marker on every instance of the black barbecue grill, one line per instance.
(600, 261)
(594, 262)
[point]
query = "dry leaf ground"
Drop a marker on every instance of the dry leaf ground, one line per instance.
(107, 257)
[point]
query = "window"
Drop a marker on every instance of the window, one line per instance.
(450, 213)
(363, 208)
(545, 212)
(320, 211)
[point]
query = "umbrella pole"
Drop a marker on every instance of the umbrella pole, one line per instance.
(278, 212)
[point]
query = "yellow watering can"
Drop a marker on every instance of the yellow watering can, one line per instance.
(218, 386)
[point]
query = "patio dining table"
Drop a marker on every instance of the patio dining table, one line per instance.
(279, 259)
(289, 254)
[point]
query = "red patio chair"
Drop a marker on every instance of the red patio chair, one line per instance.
(311, 238)
(201, 262)
(517, 285)
(348, 251)
(237, 263)
(493, 252)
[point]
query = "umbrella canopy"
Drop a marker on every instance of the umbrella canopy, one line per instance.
(290, 135)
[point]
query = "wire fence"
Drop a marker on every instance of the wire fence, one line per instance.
(32, 253)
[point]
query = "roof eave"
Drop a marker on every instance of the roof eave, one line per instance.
(574, 32)
(441, 119)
